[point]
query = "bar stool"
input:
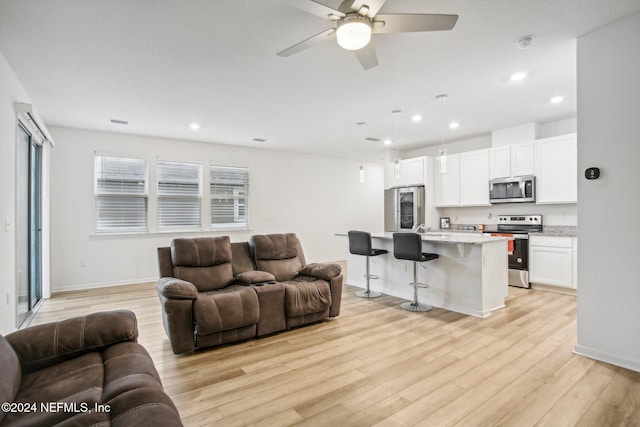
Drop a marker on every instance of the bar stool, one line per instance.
(360, 244)
(408, 246)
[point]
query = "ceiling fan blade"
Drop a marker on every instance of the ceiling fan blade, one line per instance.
(318, 9)
(306, 44)
(373, 5)
(407, 23)
(367, 56)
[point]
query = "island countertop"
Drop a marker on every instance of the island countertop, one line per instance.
(445, 237)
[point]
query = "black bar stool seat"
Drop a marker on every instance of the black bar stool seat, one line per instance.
(360, 244)
(408, 246)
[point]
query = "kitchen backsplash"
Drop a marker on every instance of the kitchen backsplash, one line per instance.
(547, 230)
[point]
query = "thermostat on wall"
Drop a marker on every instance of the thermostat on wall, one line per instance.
(592, 173)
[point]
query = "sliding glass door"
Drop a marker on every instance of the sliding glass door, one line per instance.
(29, 224)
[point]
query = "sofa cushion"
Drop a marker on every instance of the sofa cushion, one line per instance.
(206, 278)
(306, 295)
(282, 269)
(12, 372)
(278, 254)
(46, 345)
(201, 251)
(230, 308)
(205, 262)
(77, 380)
(127, 366)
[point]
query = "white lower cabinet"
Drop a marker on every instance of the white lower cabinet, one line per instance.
(552, 261)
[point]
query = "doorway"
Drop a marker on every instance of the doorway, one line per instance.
(28, 224)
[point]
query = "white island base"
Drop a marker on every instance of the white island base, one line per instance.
(469, 277)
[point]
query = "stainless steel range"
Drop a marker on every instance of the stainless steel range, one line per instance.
(518, 227)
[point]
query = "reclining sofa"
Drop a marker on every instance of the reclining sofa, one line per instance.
(214, 292)
(81, 371)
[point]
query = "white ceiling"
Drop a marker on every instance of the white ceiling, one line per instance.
(162, 64)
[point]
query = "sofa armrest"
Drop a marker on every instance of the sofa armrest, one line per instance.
(172, 288)
(254, 276)
(321, 271)
(44, 345)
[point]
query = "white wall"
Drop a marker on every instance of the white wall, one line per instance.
(609, 208)
(312, 196)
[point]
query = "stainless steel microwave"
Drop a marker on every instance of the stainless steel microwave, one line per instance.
(512, 190)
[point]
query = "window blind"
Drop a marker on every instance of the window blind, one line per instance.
(179, 195)
(229, 188)
(120, 188)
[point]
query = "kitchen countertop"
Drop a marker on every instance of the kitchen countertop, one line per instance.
(446, 237)
(547, 230)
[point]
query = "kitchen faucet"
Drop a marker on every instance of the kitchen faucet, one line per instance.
(416, 228)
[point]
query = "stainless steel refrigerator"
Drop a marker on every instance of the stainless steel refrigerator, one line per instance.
(403, 208)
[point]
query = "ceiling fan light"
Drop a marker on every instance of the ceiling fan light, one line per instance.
(354, 32)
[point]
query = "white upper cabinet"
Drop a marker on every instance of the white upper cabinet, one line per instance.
(416, 170)
(474, 178)
(465, 181)
(522, 159)
(395, 175)
(557, 169)
(406, 172)
(448, 183)
(500, 162)
(512, 160)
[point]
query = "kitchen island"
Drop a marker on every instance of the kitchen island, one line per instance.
(470, 276)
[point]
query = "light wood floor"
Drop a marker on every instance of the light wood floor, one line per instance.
(378, 365)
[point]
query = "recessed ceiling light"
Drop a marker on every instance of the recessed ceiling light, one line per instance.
(387, 142)
(556, 99)
(416, 117)
(518, 76)
(194, 126)
(454, 125)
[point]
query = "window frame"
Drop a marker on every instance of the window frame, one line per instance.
(99, 192)
(240, 200)
(196, 197)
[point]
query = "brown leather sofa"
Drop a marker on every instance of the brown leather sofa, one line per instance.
(214, 292)
(82, 371)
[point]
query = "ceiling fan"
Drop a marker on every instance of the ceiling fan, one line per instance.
(357, 20)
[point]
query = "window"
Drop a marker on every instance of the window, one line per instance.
(120, 187)
(179, 195)
(229, 196)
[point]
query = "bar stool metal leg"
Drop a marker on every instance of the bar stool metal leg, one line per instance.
(368, 293)
(415, 305)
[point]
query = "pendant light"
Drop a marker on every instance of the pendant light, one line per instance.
(361, 171)
(442, 153)
(396, 161)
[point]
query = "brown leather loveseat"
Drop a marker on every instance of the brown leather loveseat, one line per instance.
(213, 291)
(81, 371)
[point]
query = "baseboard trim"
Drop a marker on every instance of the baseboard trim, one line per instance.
(612, 359)
(86, 286)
